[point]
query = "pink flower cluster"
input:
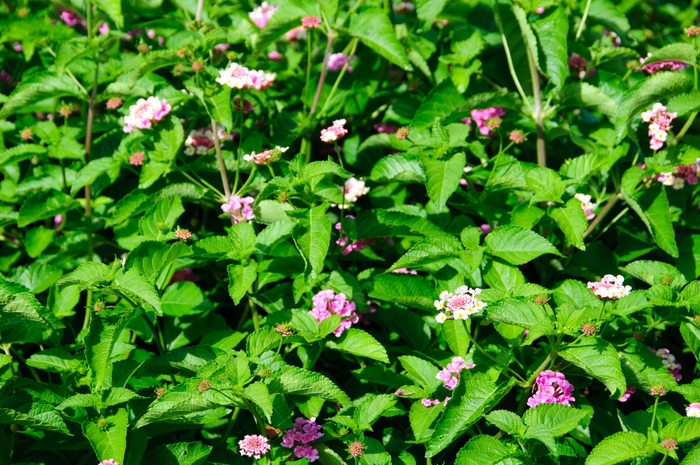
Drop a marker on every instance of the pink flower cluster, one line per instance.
(301, 438)
(628, 392)
(551, 388)
(254, 445)
(311, 22)
(262, 14)
(240, 208)
(610, 287)
(335, 132)
(458, 305)
(431, 403)
(693, 410)
(136, 159)
(586, 205)
(72, 19)
(337, 60)
(480, 117)
(680, 176)
(665, 65)
(669, 362)
(108, 462)
(659, 124)
(405, 271)
(327, 303)
(240, 77)
(201, 141)
(356, 246)
(450, 374)
(145, 112)
(266, 157)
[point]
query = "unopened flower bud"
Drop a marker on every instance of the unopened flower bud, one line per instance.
(541, 299)
(198, 65)
(26, 134)
(658, 390)
(638, 335)
(142, 49)
(65, 110)
(666, 280)
(589, 329)
(356, 449)
(114, 103)
(99, 306)
(402, 133)
(23, 12)
(204, 385)
(493, 123)
(669, 444)
(103, 424)
(160, 391)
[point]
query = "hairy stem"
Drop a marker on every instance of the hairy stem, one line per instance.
(606, 209)
(583, 19)
(309, 51)
(322, 79)
(541, 154)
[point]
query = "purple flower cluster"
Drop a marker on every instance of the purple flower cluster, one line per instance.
(327, 303)
(551, 388)
(336, 61)
(240, 208)
(301, 437)
(450, 374)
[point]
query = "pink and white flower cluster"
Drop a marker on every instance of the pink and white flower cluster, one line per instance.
(610, 287)
(480, 117)
(458, 305)
(239, 77)
(335, 132)
(586, 205)
(254, 445)
(262, 14)
(693, 410)
(311, 22)
(665, 65)
(450, 374)
(405, 271)
(266, 157)
(551, 388)
(301, 437)
(201, 141)
(336, 61)
(114, 462)
(354, 189)
(680, 176)
(145, 112)
(327, 303)
(669, 361)
(240, 208)
(659, 124)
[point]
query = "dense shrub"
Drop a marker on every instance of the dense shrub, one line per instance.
(448, 231)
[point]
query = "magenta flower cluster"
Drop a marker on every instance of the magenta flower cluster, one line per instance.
(301, 437)
(145, 112)
(659, 120)
(680, 176)
(665, 65)
(327, 303)
(669, 361)
(450, 374)
(336, 61)
(254, 445)
(551, 387)
(240, 208)
(628, 392)
(480, 117)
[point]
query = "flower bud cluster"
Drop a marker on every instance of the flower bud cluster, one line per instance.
(266, 157)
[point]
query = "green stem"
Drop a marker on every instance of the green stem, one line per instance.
(653, 416)
(254, 312)
(23, 360)
(88, 305)
(685, 128)
(353, 47)
(583, 20)
(6, 348)
(541, 154)
(220, 159)
(250, 178)
(240, 142)
(428, 461)
(309, 50)
(229, 428)
(157, 337)
(509, 58)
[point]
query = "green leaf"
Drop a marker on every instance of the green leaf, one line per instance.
(645, 94)
(552, 29)
(683, 430)
(184, 298)
(429, 250)
(443, 177)
(313, 237)
(55, 361)
(606, 13)
(89, 275)
(175, 404)
(422, 418)
(262, 340)
(517, 245)
(599, 359)
(258, 393)
(160, 219)
(372, 408)
(558, 419)
(456, 336)
(43, 205)
(483, 450)
(655, 273)
(128, 206)
(691, 335)
(572, 221)
(18, 303)
(422, 372)
(21, 409)
(409, 290)
(108, 442)
(619, 448)
(113, 8)
(138, 289)
(93, 170)
(506, 421)
(103, 334)
(518, 311)
(400, 167)
(37, 87)
(181, 453)
(374, 29)
(676, 52)
(20, 153)
(546, 184)
(440, 102)
(643, 369)
(240, 279)
(428, 10)
(472, 399)
(295, 380)
(360, 343)
(37, 240)
(583, 94)
(684, 103)
(154, 260)
(238, 371)
(323, 168)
